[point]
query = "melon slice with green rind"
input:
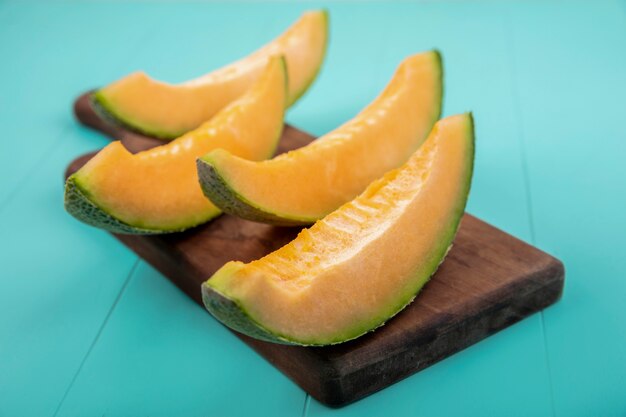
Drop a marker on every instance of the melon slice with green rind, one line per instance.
(362, 264)
(166, 111)
(157, 191)
(304, 185)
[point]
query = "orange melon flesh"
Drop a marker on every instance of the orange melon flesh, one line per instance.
(304, 185)
(157, 190)
(363, 263)
(167, 110)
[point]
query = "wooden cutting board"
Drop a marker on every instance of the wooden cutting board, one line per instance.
(488, 281)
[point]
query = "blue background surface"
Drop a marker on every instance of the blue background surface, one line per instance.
(87, 329)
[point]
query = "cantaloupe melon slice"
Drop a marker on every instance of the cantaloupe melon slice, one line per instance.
(302, 186)
(362, 264)
(157, 191)
(167, 111)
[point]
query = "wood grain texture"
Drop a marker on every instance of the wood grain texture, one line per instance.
(489, 281)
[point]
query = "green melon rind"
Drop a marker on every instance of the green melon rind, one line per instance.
(217, 188)
(79, 203)
(106, 110)
(233, 314)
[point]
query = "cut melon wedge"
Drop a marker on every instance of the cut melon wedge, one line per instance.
(157, 191)
(304, 185)
(167, 111)
(362, 264)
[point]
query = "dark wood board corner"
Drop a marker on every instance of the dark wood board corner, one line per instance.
(488, 281)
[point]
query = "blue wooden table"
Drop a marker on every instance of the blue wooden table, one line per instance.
(87, 329)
